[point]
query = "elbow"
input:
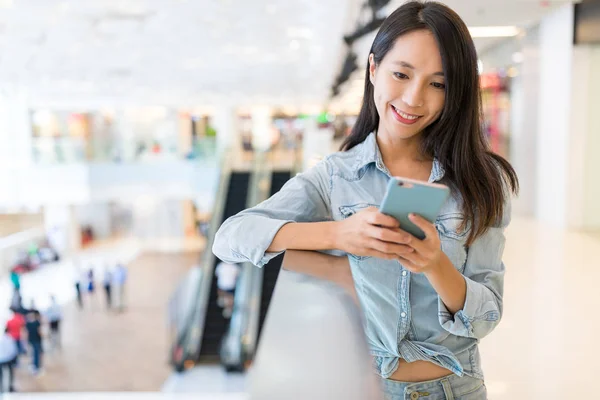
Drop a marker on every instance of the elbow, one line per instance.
(484, 324)
(220, 246)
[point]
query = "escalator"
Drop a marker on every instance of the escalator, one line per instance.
(195, 320)
(205, 336)
(215, 325)
(271, 270)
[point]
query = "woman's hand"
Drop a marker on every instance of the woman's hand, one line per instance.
(427, 253)
(373, 234)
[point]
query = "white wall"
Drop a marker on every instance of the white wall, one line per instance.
(591, 180)
(556, 38)
(524, 123)
(577, 141)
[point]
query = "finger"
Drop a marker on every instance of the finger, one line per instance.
(389, 248)
(377, 218)
(420, 246)
(410, 265)
(427, 227)
(407, 264)
(414, 258)
(390, 235)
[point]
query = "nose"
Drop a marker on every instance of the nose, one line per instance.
(413, 95)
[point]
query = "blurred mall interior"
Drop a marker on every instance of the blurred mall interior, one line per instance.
(130, 130)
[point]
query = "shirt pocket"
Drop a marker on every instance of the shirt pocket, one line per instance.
(350, 210)
(453, 238)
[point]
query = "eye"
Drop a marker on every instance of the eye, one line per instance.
(438, 85)
(400, 75)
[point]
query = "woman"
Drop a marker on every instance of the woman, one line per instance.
(427, 302)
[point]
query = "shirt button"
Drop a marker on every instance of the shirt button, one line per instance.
(403, 273)
(403, 314)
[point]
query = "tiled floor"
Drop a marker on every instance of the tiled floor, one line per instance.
(546, 345)
(108, 351)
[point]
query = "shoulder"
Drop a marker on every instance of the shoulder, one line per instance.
(345, 163)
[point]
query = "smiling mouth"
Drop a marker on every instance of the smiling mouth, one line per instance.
(404, 117)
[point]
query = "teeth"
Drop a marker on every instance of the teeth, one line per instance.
(404, 115)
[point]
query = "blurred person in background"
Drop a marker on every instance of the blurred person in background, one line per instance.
(16, 303)
(15, 326)
(8, 356)
(34, 337)
(32, 308)
(79, 280)
(16, 280)
(227, 275)
(54, 316)
(119, 282)
(107, 284)
(91, 285)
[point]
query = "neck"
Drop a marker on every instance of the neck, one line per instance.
(400, 150)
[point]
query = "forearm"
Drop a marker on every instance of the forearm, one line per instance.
(450, 285)
(305, 236)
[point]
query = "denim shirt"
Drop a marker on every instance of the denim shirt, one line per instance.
(404, 316)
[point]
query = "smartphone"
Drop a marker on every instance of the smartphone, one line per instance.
(404, 196)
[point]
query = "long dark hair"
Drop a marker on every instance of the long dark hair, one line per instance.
(483, 179)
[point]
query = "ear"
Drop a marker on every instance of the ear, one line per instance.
(372, 68)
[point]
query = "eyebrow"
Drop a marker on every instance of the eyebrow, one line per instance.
(407, 65)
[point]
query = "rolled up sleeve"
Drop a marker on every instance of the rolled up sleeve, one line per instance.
(484, 276)
(247, 235)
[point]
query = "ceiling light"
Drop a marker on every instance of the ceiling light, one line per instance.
(493, 31)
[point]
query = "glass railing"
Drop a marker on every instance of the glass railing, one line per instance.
(313, 345)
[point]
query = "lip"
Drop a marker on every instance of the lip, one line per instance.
(403, 120)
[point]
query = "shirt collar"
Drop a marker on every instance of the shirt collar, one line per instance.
(369, 153)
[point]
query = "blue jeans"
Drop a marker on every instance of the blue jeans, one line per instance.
(37, 354)
(452, 387)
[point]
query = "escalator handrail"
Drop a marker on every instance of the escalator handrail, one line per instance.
(176, 299)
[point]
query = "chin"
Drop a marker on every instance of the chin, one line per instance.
(403, 132)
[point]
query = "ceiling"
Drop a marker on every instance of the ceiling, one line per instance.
(520, 13)
(93, 53)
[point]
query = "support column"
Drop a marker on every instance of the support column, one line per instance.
(261, 128)
(15, 129)
(62, 228)
(524, 124)
(554, 116)
(224, 121)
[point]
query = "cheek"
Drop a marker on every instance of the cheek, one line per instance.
(383, 94)
(377, 97)
(438, 106)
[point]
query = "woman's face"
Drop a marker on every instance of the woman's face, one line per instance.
(408, 85)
